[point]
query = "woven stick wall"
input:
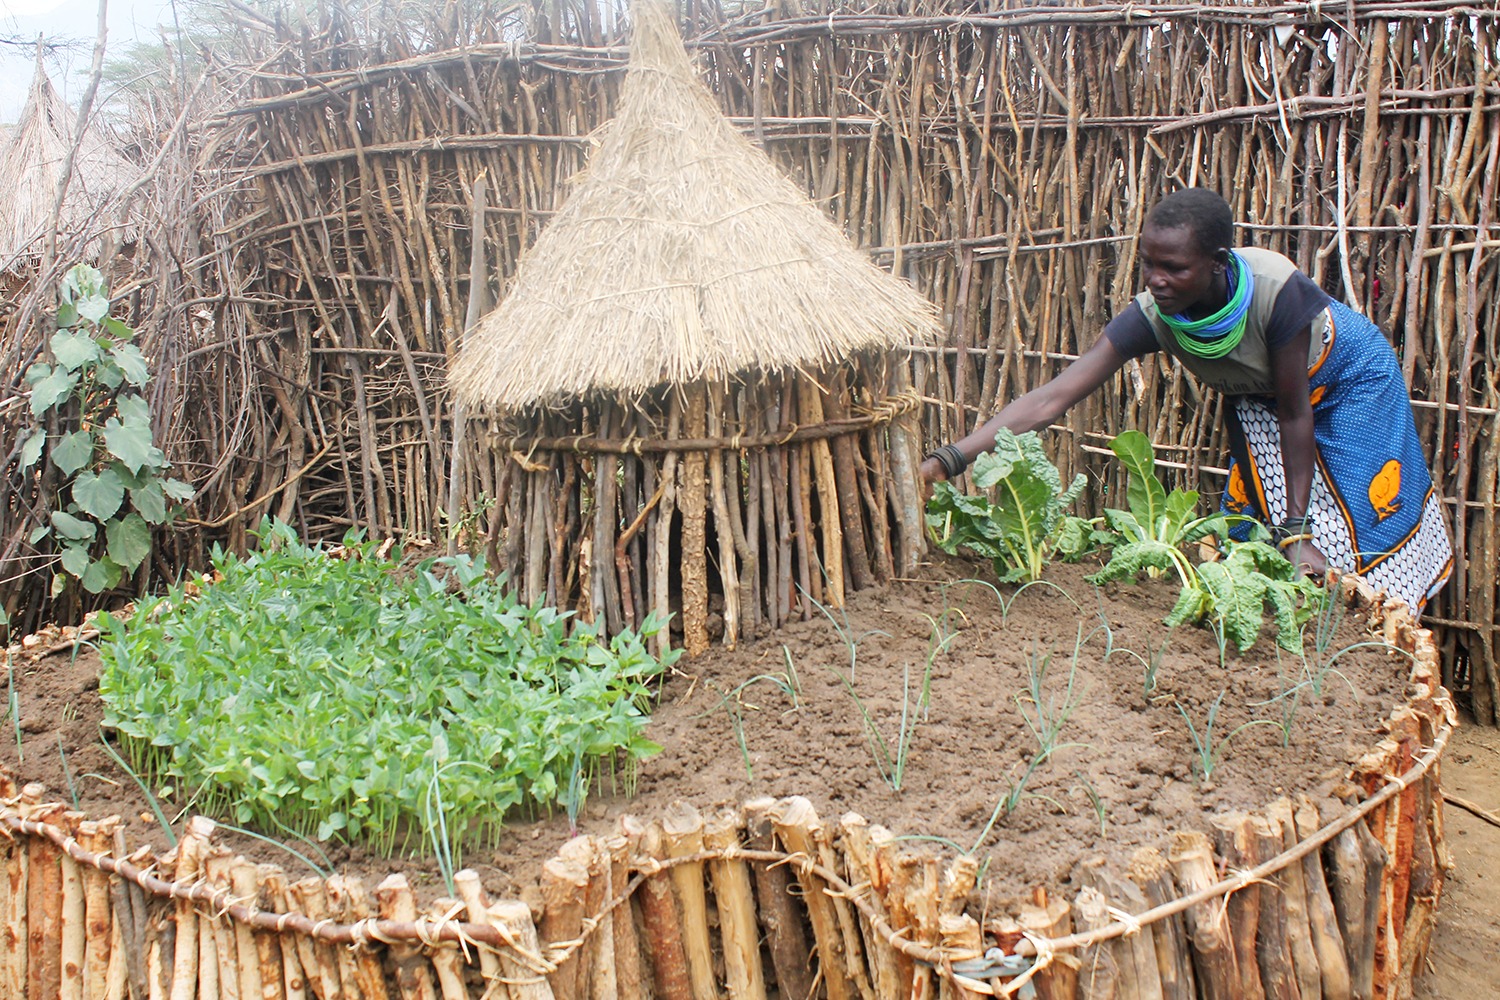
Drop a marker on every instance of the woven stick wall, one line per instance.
(306, 359)
(1279, 902)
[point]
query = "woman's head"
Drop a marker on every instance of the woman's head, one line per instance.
(1202, 212)
(1184, 251)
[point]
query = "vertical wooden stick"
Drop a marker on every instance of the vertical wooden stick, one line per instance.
(1192, 861)
(794, 820)
(273, 900)
(14, 938)
(1327, 938)
(860, 869)
(476, 911)
(1273, 944)
(659, 919)
(216, 937)
(98, 927)
(311, 896)
(1174, 959)
(627, 957)
(694, 529)
(369, 975)
(413, 977)
(1098, 975)
(43, 906)
(1051, 918)
(523, 981)
(245, 882)
(1135, 954)
(736, 904)
(190, 854)
(447, 962)
(682, 833)
(1234, 844)
(564, 885)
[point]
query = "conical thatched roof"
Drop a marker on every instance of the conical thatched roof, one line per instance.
(31, 159)
(682, 253)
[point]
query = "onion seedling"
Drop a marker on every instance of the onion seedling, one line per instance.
(1209, 752)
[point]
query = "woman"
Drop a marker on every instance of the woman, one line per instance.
(1324, 449)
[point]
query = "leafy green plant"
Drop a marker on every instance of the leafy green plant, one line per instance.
(93, 434)
(1026, 526)
(1229, 594)
(1209, 751)
(323, 694)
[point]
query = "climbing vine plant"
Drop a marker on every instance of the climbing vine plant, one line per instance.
(108, 483)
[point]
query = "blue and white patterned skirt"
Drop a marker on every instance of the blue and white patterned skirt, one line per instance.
(1375, 509)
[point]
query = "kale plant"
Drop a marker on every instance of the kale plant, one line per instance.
(1026, 526)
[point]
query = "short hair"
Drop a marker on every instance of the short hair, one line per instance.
(1200, 210)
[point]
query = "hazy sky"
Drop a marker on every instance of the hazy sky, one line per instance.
(67, 20)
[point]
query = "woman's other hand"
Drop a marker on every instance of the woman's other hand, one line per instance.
(931, 471)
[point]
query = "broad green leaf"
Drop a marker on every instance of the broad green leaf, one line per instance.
(109, 375)
(67, 316)
(74, 529)
(31, 448)
(1143, 490)
(37, 372)
(59, 584)
(101, 575)
(51, 390)
(132, 362)
(117, 329)
(148, 499)
(129, 540)
(81, 281)
(1177, 511)
(38, 533)
(129, 442)
(99, 494)
(75, 559)
(74, 350)
(134, 410)
(182, 493)
(73, 452)
(93, 308)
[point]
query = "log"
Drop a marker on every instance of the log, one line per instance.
(476, 911)
(191, 851)
(830, 527)
(413, 976)
(245, 882)
(914, 881)
(1192, 861)
(217, 943)
(694, 555)
(352, 902)
(74, 932)
(522, 974)
(1357, 864)
(447, 961)
(782, 923)
(116, 977)
(682, 834)
(1134, 954)
(1051, 918)
(1292, 892)
(43, 906)
(1174, 959)
(99, 927)
(1322, 917)
(795, 820)
(961, 939)
(599, 933)
(564, 885)
(860, 871)
(14, 937)
(659, 920)
(1234, 843)
(1098, 974)
(887, 883)
(736, 905)
(269, 954)
(627, 958)
(273, 900)
(1273, 947)
(312, 900)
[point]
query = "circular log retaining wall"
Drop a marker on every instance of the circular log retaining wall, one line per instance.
(765, 900)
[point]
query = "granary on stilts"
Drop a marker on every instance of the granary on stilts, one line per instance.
(32, 157)
(696, 388)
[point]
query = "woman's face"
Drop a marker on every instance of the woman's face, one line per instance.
(1179, 275)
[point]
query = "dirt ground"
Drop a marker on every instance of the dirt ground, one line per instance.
(1461, 963)
(785, 714)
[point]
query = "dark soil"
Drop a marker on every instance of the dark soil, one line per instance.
(1126, 776)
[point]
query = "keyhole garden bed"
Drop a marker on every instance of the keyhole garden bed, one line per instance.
(975, 761)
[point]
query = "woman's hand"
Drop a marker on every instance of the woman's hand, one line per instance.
(931, 471)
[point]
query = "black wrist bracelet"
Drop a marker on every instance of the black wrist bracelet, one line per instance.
(1292, 527)
(951, 459)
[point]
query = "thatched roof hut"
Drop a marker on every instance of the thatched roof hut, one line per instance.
(31, 160)
(695, 340)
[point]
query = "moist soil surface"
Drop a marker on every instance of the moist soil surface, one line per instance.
(794, 712)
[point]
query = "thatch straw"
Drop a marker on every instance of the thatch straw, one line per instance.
(31, 157)
(682, 253)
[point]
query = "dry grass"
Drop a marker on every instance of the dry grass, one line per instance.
(31, 159)
(682, 253)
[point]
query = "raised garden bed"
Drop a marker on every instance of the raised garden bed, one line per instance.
(1123, 819)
